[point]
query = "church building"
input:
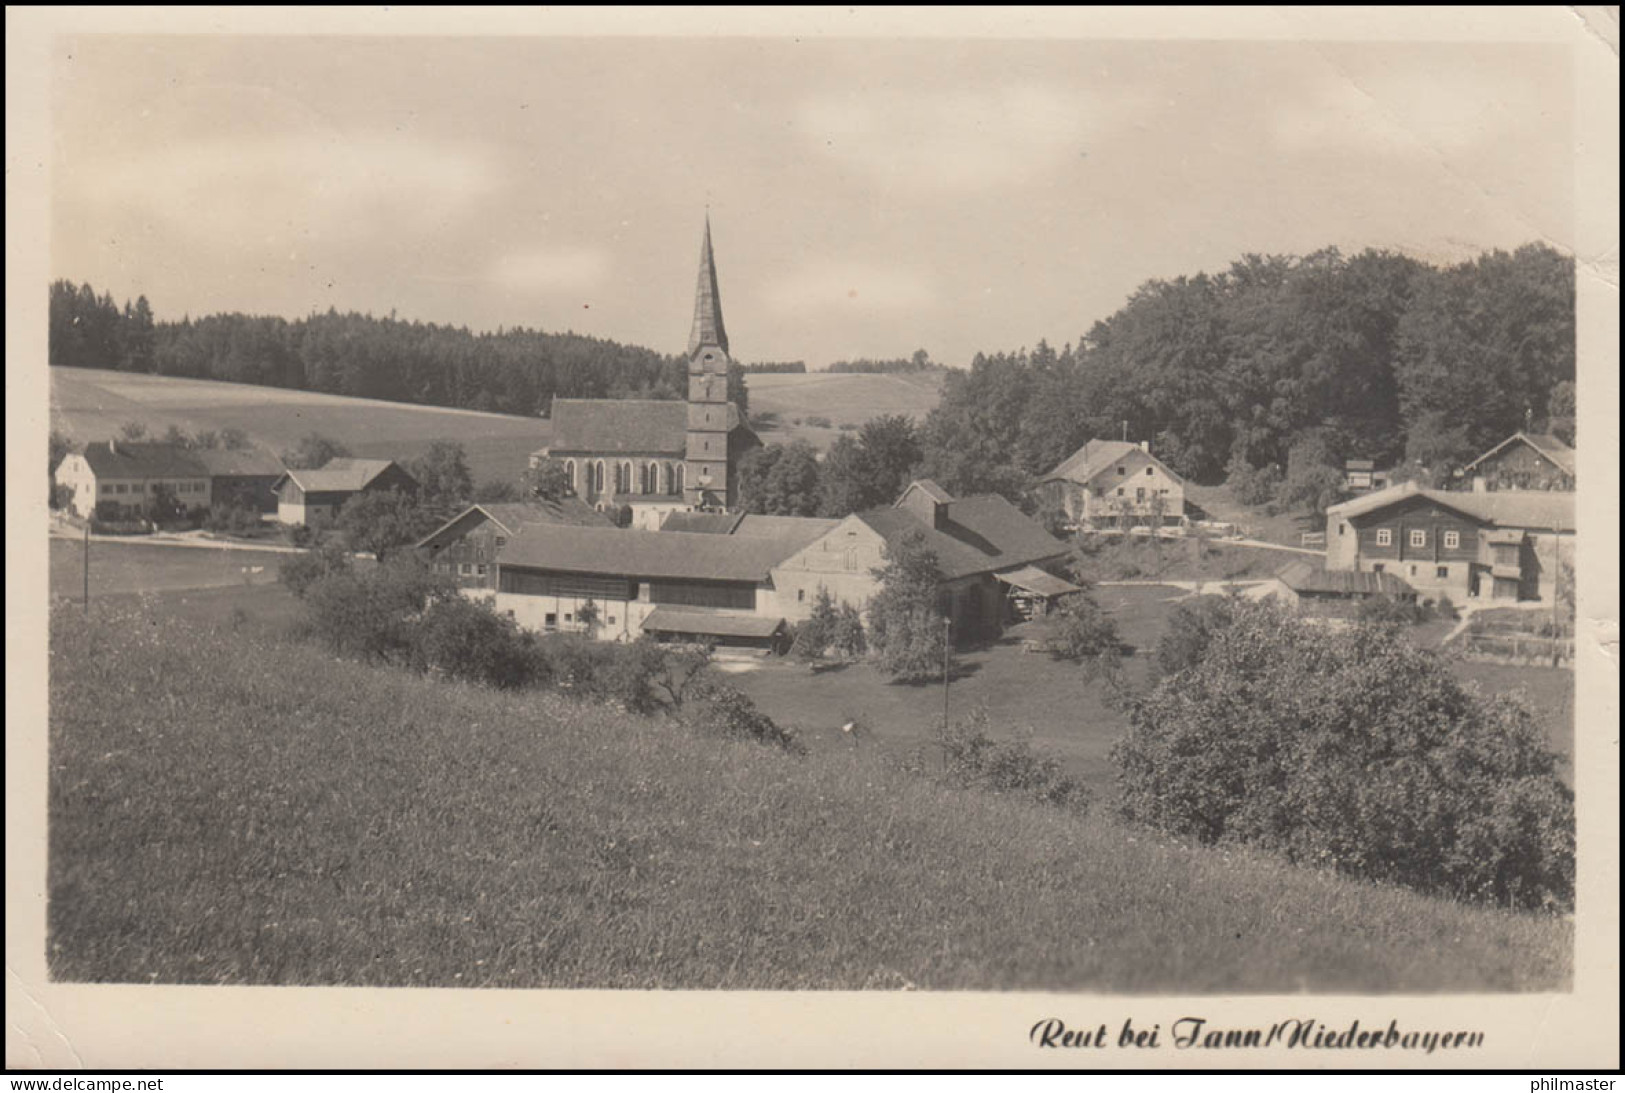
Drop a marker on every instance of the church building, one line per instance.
(659, 456)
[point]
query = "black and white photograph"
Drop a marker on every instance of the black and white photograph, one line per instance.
(1093, 532)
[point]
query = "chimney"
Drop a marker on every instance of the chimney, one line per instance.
(112, 446)
(1145, 446)
(1480, 484)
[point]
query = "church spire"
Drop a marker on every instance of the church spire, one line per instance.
(708, 328)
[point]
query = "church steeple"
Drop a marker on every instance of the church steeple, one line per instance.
(708, 329)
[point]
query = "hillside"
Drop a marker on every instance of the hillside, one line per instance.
(288, 818)
(91, 404)
(841, 398)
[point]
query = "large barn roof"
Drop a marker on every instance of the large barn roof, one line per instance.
(976, 535)
(1546, 444)
(678, 555)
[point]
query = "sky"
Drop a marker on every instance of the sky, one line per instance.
(868, 197)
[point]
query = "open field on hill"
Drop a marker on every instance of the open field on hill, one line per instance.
(1287, 529)
(91, 404)
(843, 398)
(124, 568)
(287, 818)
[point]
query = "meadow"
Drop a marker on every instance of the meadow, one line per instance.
(803, 403)
(119, 568)
(286, 818)
(92, 404)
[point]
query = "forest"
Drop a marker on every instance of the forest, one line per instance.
(1268, 374)
(513, 371)
(1281, 365)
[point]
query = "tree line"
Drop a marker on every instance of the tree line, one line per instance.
(514, 371)
(1281, 364)
(920, 361)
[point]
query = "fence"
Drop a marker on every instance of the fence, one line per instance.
(1517, 648)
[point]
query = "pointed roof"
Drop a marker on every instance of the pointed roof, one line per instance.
(1546, 444)
(708, 328)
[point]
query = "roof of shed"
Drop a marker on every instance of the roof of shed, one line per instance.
(340, 475)
(671, 620)
(127, 459)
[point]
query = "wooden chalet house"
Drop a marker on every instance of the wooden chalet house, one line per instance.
(307, 495)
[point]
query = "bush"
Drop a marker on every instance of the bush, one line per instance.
(1084, 631)
(1252, 485)
(815, 633)
(730, 712)
(1355, 751)
(469, 641)
(300, 571)
(973, 759)
(1390, 611)
(820, 422)
(846, 636)
(375, 615)
(1191, 629)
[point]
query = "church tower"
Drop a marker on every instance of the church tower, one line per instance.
(705, 474)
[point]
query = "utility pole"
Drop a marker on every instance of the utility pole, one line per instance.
(1125, 431)
(87, 565)
(945, 650)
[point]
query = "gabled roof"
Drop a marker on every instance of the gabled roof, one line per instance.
(1545, 443)
(1087, 462)
(794, 532)
(623, 425)
(977, 535)
(677, 555)
(340, 475)
(515, 516)
(127, 459)
(1307, 577)
(929, 488)
(226, 463)
(1545, 509)
(708, 328)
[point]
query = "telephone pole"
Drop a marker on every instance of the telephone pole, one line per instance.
(945, 648)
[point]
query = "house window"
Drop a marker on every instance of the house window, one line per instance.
(612, 620)
(1120, 491)
(551, 620)
(1139, 495)
(1342, 529)
(463, 569)
(1413, 571)
(1122, 470)
(1419, 538)
(570, 473)
(1378, 568)
(567, 616)
(502, 541)
(1385, 537)
(1452, 540)
(1442, 572)
(1149, 471)
(480, 569)
(106, 488)
(801, 595)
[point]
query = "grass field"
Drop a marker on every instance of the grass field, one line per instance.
(1286, 529)
(842, 398)
(133, 567)
(90, 404)
(229, 810)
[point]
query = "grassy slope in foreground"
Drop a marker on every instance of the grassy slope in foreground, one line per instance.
(270, 815)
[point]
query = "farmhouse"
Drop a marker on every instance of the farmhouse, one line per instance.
(1504, 544)
(465, 547)
(1523, 461)
(1362, 476)
(642, 582)
(987, 551)
(306, 495)
(658, 456)
(119, 479)
(246, 479)
(1111, 479)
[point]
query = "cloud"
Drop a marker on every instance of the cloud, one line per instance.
(1448, 113)
(277, 189)
(552, 269)
(849, 286)
(959, 140)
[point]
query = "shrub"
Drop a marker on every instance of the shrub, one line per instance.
(817, 631)
(1390, 611)
(846, 636)
(1356, 751)
(374, 615)
(300, 571)
(973, 759)
(1252, 485)
(820, 422)
(1190, 629)
(469, 641)
(730, 712)
(1083, 630)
